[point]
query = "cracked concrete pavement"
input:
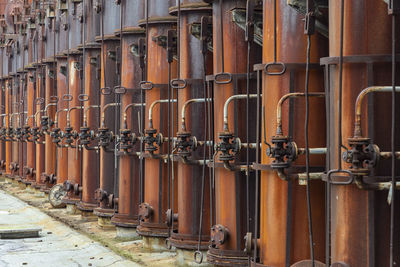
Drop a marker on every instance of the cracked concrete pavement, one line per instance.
(57, 244)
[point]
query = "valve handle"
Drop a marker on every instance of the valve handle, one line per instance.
(178, 83)
(67, 97)
(83, 97)
(281, 68)
(146, 85)
(105, 91)
(223, 78)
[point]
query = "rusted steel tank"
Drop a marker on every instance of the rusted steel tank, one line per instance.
(129, 187)
(356, 237)
(7, 84)
(30, 168)
(39, 55)
(90, 157)
(109, 16)
(153, 210)
(14, 117)
(74, 183)
(283, 206)
(63, 96)
(51, 105)
(231, 217)
(190, 176)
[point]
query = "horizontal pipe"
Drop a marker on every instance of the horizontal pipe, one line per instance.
(360, 97)
(313, 151)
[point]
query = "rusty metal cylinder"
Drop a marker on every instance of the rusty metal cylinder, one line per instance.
(131, 74)
(62, 152)
(51, 102)
(190, 176)
(91, 56)
(40, 147)
(153, 209)
(109, 43)
(233, 215)
(30, 169)
(283, 206)
(360, 219)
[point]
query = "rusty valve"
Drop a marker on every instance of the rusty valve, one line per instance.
(104, 197)
(56, 135)
(69, 135)
(229, 146)
(36, 133)
(85, 135)
(72, 187)
(185, 144)
(26, 133)
(145, 211)
(2, 164)
(283, 151)
(3, 133)
(363, 155)
(29, 171)
(153, 140)
(46, 178)
(18, 134)
(45, 122)
(14, 167)
(219, 235)
(106, 137)
(10, 133)
(127, 139)
(171, 217)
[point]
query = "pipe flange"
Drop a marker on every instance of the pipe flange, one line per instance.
(145, 211)
(219, 235)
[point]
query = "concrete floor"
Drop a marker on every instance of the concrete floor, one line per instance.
(57, 245)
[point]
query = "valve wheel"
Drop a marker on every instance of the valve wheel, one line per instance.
(56, 194)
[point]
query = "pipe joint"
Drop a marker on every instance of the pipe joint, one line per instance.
(145, 211)
(362, 155)
(185, 144)
(127, 139)
(152, 140)
(105, 136)
(104, 198)
(283, 150)
(229, 146)
(219, 235)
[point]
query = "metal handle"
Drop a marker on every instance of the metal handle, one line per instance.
(178, 83)
(67, 97)
(105, 91)
(349, 175)
(198, 256)
(223, 78)
(281, 68)
(120, 90)
(146, 85)
(83, 97)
